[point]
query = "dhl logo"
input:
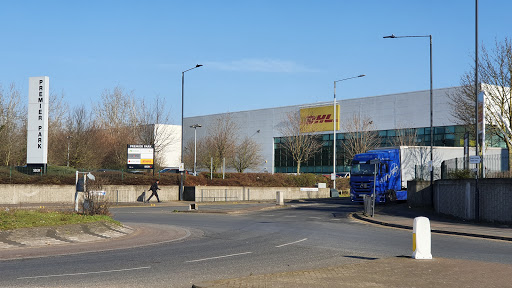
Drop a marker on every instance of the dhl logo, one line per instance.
(318, 119)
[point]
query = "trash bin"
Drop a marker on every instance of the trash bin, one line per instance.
(334, 193)
(368, 202)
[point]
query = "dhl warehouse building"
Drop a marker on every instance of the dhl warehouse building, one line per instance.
(388, 113)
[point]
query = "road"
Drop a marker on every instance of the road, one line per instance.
(304, 236)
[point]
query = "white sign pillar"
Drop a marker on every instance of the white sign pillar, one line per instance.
(37, 125)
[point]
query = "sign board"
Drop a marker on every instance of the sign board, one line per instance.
(140, 156)
(475, 159)
(37, 122)
(318, 119)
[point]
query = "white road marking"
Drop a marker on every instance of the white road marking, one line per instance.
(315, 217)
(335, 219)
(292, 243)
(291, 216)
(85, 273)
(268, 215)
(211, 258)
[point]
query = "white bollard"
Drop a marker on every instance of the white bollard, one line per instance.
(279, 198)
(421, 244)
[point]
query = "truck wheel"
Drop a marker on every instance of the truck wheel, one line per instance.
(391, 195)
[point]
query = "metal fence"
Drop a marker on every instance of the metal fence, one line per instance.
(494, 166)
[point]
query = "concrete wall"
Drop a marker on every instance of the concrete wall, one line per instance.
(458, 198)
(230, 193)
(22, 194)
(25, 194)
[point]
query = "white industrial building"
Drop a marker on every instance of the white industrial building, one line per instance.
(388, 113)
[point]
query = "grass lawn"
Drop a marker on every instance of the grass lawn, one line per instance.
(15, 219)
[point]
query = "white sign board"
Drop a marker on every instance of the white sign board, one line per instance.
(140, 156)
(37, 125)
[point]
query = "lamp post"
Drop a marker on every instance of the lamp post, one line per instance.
(195, 126)
(182, 102)
(68, 137)
(431, 109)
(334, 131)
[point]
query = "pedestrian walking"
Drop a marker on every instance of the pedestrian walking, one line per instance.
(153, 189)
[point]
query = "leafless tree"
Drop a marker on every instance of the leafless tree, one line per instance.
(57, 141)
(83, 137)
(247, 155)
(495, 70)
(221, 140)
(360, 135)
(12, 121)
(116, 116)
(404, 136)
(153, 126)
(298, 139)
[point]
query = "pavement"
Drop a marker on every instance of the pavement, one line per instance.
(399, 271)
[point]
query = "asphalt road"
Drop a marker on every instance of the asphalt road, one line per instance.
(305, 236)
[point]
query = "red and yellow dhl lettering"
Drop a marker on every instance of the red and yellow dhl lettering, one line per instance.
(319, 118)
(146, 161)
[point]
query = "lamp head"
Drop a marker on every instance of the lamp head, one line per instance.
(362, 75)
(391, 36)
(198, 65)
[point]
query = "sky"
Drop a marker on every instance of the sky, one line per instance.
(256, 54)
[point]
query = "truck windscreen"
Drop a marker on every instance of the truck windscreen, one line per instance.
(362, 169)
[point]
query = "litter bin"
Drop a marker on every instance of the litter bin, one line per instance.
(334, 193)
(368, 203)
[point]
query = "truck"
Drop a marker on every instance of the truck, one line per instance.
(392, 167)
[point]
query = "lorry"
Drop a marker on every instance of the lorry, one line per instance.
(392, 167)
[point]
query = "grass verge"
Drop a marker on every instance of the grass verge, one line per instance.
(15, 219)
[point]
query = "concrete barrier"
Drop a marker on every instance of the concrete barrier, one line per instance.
(421, 239)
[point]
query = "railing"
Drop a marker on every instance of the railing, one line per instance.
(495, 166)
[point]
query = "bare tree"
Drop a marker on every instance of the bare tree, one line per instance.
(247, 155)
(57, 134)
(83, 137)
(298, 139)
(495, 70)
(12, 121)
(116, 116)
(404, 136)
(221, 139)
(360, 135)
(153, 126)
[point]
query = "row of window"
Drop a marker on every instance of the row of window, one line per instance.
(321, 162)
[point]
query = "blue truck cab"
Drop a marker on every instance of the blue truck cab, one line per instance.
(388, 184)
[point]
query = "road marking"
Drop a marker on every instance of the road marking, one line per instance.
(268, 215)
(315, 217)
(85, 273)
(335, 219)
(291, 216)
(291, 243)
(211, 258)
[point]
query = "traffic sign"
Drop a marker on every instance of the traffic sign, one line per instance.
(475, 159)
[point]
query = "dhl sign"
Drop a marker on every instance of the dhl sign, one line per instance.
(319, 119)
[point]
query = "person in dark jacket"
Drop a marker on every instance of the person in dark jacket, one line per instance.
(153, 189)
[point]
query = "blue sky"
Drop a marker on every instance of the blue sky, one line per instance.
(256, 54)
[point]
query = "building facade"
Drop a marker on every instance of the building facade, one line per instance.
(388, 114)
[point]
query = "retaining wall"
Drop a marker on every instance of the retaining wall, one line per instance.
(457, 197)
(25, 194)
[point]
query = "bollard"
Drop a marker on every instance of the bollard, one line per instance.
(279, 198)
(421, 244)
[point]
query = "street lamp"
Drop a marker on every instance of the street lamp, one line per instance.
(195, 126)
(182, 102)
(431, 108)
(68, 137)
(334, 129)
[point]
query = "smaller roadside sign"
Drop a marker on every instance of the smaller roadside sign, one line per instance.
(475, 159)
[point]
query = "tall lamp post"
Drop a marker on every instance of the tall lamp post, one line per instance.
(334, 131)
(195, 126)
(182, 102)
(431, 108)
(68, 137)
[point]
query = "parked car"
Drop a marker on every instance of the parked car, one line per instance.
(171, 170)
